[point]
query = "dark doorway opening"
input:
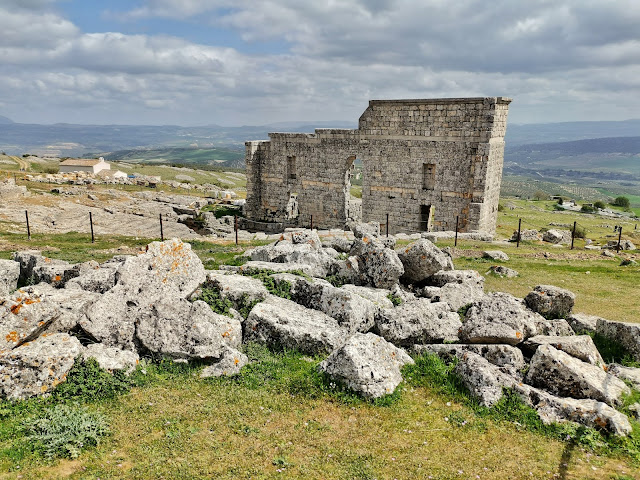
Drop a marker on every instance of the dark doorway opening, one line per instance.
(425, 218)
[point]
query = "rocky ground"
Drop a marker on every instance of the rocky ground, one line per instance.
(359, 301)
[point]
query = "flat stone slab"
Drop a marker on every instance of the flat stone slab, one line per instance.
(283, 324)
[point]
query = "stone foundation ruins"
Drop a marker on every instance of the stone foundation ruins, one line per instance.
(425, 163)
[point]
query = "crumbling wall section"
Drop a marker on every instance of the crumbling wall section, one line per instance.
(426, 163)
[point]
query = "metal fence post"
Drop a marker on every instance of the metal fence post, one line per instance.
(619, 239)
(26, 214)
(573, 234)
(91, 224)
(519, 228)
(455, 244)
(161, 229)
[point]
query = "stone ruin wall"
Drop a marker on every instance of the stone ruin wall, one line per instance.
(441, 156)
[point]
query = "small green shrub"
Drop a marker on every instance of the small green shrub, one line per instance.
(462, 311)
(587, 209)
(212, 297)
(336, 280)
(65, 430)
(395, 299)
(621, 202)
(87, 381)
(245, 305)
(599, 204)
(280, 288)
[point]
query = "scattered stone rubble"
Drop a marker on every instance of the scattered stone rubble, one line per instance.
(380, 304)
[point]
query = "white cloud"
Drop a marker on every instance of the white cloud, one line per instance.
(583, 55)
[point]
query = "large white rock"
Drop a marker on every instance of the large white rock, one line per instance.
(184, 330)
(378, 265)
(367, 364)
(37, 367)
(626, 334)
(418, 322)
(283, 324)
(9, 275)
(110, 358)
(33, 310)
(486, 382)
(498, 318)
(564, 375)
(421, 259)
(509, 358)
(578, 346)
(550, 301)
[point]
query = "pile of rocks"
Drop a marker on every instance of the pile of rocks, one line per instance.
(363, 308)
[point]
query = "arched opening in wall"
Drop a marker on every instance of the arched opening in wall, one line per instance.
(353, 189)
(292, 206)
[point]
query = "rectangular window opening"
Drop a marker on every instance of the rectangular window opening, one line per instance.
(428, 176)
(291, 168)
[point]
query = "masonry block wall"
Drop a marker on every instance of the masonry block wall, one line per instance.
(425, 162)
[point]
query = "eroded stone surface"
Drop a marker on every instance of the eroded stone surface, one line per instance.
(422, 259)
(564, 375)
(498, 318)
(550, 301)
(418, 322)
(367, 364)
(37, 367)
(283, 324)
(111, 358)
(9, 275)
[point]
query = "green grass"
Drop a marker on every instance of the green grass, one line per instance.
(280, 418)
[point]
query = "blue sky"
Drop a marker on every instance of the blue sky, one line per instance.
(236, 62)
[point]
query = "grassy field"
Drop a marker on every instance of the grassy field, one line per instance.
(280, 419)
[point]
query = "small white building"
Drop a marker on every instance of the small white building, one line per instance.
(84, 165)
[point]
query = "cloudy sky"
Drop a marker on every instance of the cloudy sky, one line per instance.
(251, 62)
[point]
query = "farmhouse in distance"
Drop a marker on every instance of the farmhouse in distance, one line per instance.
(84, 165)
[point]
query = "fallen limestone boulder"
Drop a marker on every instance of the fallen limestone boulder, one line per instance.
(498, 318)
(529, 235)
(253, 267)
(564, 375)
(9, 275)
(98, 280)
(367, 364)
(229, 364)
(110, 358)
(167, 268)
(361, 230)
(183, 330)
(459, 277)
(502, 271)
(578, 346)
(629, 374)
(624, 245)
(352, 311)
(378, 265)
(339, 244)
(239, 289)
(283, 324)
(36, 368)
(36, 268)
(509, 358)
(457, 296)
(33, 310)
(422, 259)
(582, 323)
(626, 334)
(486, 382)
(418, 322)
(557, 236)
(550, 302)
(558, 327)
(379, 296)
(498, 255)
